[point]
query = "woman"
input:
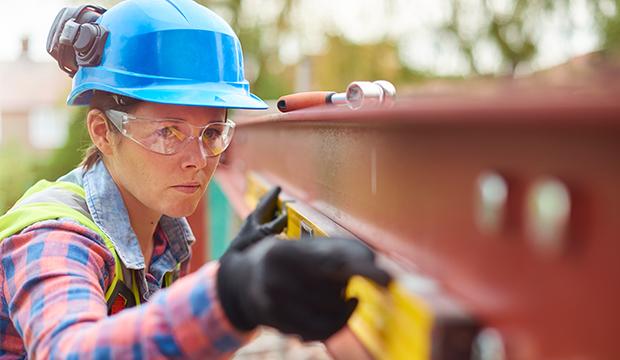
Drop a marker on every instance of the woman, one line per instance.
(78, 254)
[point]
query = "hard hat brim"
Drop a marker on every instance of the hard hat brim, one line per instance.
(201, 94)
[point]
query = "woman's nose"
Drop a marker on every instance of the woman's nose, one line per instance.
(196, 154)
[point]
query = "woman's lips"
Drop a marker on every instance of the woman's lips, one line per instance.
(187, 188)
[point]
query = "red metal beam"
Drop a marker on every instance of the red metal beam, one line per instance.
(405, 181)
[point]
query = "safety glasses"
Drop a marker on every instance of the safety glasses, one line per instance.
(169, 136)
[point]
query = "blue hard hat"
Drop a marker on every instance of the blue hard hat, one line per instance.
(167, 51)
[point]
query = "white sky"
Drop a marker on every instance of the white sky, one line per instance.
(26, 17)
(413, 22)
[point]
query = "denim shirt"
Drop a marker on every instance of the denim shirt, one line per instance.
(108, 211)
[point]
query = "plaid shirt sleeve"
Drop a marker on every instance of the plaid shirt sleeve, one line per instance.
(52, 280)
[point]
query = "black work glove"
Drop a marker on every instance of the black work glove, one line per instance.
(261, 222)
(295, 286)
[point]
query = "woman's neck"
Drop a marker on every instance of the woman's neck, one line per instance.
(143, 222)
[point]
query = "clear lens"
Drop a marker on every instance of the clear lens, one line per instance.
(171, 136)
(217, 136)
(164, 137)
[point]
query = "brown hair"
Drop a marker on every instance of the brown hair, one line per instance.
(103, 101)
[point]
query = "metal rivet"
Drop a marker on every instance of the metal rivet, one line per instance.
(305, 230)
(548, 215)
(488, 345)
(492, 196)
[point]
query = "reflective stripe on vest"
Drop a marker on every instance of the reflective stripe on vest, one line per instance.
(54, 200)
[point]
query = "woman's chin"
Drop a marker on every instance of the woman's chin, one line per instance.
(181, 210)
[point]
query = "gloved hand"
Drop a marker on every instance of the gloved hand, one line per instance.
(295, 286)
(260, 222)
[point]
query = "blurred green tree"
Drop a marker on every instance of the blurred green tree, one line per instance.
(345, 61)
(610, 26)
(341, 62)
(26, 167)
(67, 157)
(19, 172)
(514, 26)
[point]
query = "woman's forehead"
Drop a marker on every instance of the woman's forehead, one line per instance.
(196, 115)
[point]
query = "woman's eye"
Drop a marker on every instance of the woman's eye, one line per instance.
(163, 132)
(212, 133)
(170, 132)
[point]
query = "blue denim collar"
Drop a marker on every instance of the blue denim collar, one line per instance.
(108, 211)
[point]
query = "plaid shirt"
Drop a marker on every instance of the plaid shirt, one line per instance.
(53, 277)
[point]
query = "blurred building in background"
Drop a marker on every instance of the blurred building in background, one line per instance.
(32, 109)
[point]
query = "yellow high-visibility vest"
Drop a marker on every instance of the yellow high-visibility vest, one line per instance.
(54, 200)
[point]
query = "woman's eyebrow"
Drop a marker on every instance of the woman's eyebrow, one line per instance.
(173, 118)
(211, 121)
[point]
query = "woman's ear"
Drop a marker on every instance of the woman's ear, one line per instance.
(99, 131)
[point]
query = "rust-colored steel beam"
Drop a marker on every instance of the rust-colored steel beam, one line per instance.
(511, 203)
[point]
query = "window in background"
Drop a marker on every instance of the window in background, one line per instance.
(48, 128)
